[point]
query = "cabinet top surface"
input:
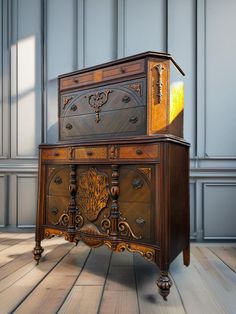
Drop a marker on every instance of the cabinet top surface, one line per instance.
(150, 54)
(130, 140)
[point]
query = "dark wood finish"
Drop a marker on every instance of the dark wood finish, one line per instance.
(138, 206)
(119, 176)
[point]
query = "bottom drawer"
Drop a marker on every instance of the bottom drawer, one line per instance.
(112, 123)
(56, 207)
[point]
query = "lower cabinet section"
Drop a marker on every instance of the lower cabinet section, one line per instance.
(93, 201)
(130, 196)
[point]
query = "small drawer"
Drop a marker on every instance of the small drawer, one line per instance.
(91, 153)
(122, 70)
(140, 152)
(54, 153)
(77, 80)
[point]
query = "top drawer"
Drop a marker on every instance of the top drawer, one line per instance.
(108, 73)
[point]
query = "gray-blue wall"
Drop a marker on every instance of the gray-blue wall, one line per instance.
(41, 39)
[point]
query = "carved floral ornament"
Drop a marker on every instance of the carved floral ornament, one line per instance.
(97, 100)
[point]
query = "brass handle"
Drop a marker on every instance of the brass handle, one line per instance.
(137, 183)
(56, 154)
(69, 126)
(54, 210)
(75, 80)
(140, 221)
(122, 70)
(139, 152)
(73, 108)
(126, 99)
(58, 180)
(89, 153)
(133, 119)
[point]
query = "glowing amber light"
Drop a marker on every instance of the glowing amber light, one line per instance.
(176, 99)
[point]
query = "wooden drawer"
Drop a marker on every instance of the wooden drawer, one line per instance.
(91, 153)
(139, 151)
(112, 123)
(122, 70)
(54, 153)
(55, 208)
(58, 180)
(108, 73)
(111, 97)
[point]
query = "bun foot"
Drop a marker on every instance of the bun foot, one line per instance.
(37, 251)
(164, 283)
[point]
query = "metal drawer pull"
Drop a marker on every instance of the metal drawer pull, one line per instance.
(133, 119)
(122, 70)
(56, 154)
(58, 180)
(139, 152)
(54, 211)
(137, 183)
(69, 126)
(89, 153)
(126, 99)
(75, 80)
(140, 221)
(73, 108)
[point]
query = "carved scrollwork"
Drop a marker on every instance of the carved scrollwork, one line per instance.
(62, 221)
(125, 229)
(106, 224)
(137, 87)
(79, 220)
(114, 150)
(146, 252)
(159, 69)
(92, 193)
(97, 100)
(66, 101)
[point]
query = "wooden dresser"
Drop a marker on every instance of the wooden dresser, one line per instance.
(119, 174)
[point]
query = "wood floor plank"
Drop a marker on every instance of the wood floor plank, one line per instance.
(193, 289)
(226, 254)
(150, 300)
(17, 292)
(17, 268)
(49, 295)
(82, 300)
(220, 279)
(95, 270)
(120, 294)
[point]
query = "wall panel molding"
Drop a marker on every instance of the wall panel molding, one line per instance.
(219, 215)
(3, 199)
(26, 191)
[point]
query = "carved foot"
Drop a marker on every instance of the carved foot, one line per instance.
(37, 251)
(186, 256)
(164, 283)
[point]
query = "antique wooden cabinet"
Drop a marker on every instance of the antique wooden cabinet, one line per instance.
(122, 191)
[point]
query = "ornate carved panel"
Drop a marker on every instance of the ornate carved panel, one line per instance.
(92, 193)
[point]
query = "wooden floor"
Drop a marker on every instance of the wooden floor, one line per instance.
(78, 279)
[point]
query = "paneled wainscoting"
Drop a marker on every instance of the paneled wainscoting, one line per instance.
(72, 279)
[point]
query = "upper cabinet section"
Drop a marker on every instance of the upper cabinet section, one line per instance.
(137, 95)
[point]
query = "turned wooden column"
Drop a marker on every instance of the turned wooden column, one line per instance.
(114, 192)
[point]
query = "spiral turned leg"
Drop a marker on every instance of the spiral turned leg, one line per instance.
(164, 283)
(37, 251)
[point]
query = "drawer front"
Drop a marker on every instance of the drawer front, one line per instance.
(58, 180)
(112, 123)
(150, 151)
(108, 73)
(122, 70)
(107, 98)
(54, 154)
(91, 153)
(135, 200)
(56, 207)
